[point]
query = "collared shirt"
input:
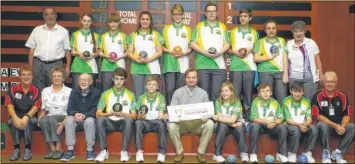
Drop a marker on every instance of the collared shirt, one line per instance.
(240, 39)
(185, 95)
(231, 109)
(263, 47)
(55, 102)
(206, 37)
(302, 59)
(321, 102)
(49, 44)
(297, 112)
(23, 102)
(81, 42)
(145, 42)
(176, 35)
(113, 43)
(155, 105)
(269, 110)
(110, 97)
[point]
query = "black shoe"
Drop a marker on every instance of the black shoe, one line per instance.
(49, 155)
(15, 155)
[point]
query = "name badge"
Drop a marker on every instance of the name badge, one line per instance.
(323, 103)
(331, 110)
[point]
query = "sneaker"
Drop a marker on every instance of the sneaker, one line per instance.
(49, 155)
(15, 155)
(292, 157)
(253, 158)
(244, 157)
(281, 158)
(68, 156)
(337, 156)
(28, 155)
(103, 155)
(326, 156)
(90, 155)
(125, 156)
(218, 158)
(139, 156)
(161, 158)
(310, 159)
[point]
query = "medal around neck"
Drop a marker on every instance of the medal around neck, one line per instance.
(177, 49)
(242, 51)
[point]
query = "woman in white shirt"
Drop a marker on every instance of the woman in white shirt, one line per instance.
(304, 60)
(53, 112)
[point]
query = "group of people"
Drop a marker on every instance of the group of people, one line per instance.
(84, 107)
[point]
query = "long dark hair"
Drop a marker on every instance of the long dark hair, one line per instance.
(92, 33)
(151, 21)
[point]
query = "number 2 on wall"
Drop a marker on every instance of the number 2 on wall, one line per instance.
(229, 19)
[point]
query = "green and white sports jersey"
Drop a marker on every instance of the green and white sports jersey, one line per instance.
(240, 39)
(110, 97)
(228, 111)
(113, 43)
(269, 111)
(154, 105)
(148, 43)
(263, 46)
(206, 37)
(81, 41)
(297, 112)
(176, 35)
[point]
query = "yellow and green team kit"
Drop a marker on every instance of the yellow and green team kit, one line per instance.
(263, 46)
(207, 36)
(269, 110)
(297, 112)
(113, 43)
(155, 105)
(110, 97)
(176, 35)
(145, 42)
(240, 39)
(82, 41)
(229, 110)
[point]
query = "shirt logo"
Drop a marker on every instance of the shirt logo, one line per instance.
(183, 35)
(119, 42)
(249, 38)
(150, 38)
(271, 114)
(323, 103)
(303, 112)
(218, 32)
(18, 95)
(124, 102)
(338, 104)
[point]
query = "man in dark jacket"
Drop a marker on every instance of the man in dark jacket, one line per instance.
(81, 110)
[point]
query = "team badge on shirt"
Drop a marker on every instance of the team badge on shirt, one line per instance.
(249, 38)
(150, 38)
(183, 35)
(119, 42)
(303, 112)
(271, 114)
(124, 102)
(323, 103)
(18, 95)
(218, 32)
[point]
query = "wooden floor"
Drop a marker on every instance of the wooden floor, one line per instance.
(116, 159)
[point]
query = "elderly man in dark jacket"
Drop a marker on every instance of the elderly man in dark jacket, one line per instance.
(82, 107)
